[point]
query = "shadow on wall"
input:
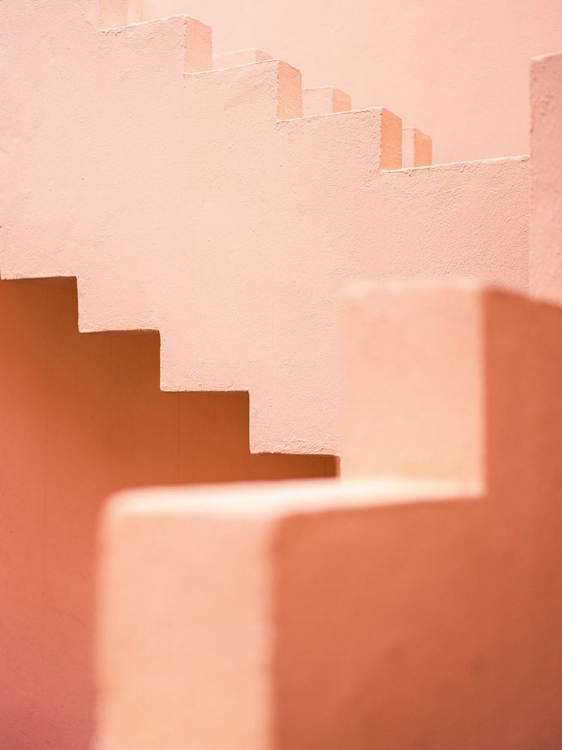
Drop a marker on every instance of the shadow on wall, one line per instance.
(82, 416)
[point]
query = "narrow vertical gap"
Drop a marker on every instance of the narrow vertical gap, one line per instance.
(110, 396)
(178, 475)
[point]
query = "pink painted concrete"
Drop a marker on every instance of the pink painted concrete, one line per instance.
(546, 151)
(457, 70)
(417, 148)
(325, 100)
(415, 382)
(201, 205)
(373, 613)
(183, 203)
(83, 416)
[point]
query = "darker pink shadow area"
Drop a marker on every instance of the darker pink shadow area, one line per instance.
(82, 415)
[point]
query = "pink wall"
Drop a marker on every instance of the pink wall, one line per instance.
(182, 204)
(457, 70)
(83, 415)
(546, 162)
(204, 206)
(414, 604)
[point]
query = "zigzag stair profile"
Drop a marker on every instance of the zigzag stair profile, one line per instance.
(416, 602)
(185, 199)
(210, 200)
(82, 416)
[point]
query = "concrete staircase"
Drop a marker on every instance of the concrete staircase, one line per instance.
(201, 204)
(215, 214)
(415, 603)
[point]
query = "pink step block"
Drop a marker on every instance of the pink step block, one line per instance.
(416, 148)
(322, 101)
(415, 389)
(421, 608)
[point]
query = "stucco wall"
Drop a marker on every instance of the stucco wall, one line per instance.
(457, 70)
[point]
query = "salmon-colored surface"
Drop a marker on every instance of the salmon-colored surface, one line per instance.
(373, 613)
(458, 70)
(321, 101)
(183, 203)
(83, 415)
(189, 196)
(546, 150)
(415, 386)
(417, 148)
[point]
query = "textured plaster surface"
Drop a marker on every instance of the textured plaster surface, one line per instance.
(201, 204)
(204, 206)
(83, 415)
(417, 148)
(546, 150)
(457, 70)
(395, 612)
